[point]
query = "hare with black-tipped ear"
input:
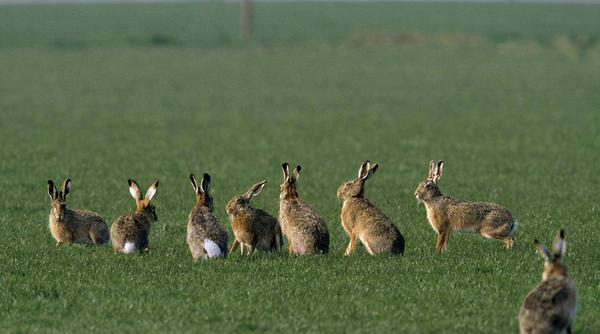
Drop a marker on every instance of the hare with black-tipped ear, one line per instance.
(447, 214)
(304, 229)
(551, 306)
(363, 221)
(253, 228)
(130, 232)
(206, 238)
(73, 225)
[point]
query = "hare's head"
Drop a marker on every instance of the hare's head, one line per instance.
(202, 191)
(428, 189)
(59, 198)
(288, 187)
(143, 205)
(243, 201)
(553, 266)
(356, 187)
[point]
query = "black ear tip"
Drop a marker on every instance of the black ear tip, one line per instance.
(441, 162)
(156, 183)
(536, 242)
(562, 233)
(284, 165)
(50, 182)
(299, 168)
(192, 176)
(206, 176)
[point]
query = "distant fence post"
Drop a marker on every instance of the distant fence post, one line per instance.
(246, 19)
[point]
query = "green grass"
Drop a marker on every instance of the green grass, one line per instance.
(506, 94)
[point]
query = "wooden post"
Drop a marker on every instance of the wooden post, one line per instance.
(246, 19)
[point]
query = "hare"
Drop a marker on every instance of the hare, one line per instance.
(131, 230)
(363, 221)
(73, 226)
(205, 236)
(446, 214)
(253, 228)
(304, 229)
(551, 306)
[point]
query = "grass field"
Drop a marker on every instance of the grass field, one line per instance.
(507, 95)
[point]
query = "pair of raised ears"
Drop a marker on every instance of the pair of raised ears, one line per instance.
(55, 193)
(254, 190)
(134, 190)
(435, 170)
(286, 172)
(204, 184)
(559, 248)
(366, 170)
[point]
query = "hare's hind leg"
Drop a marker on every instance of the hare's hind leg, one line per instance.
(502, 233)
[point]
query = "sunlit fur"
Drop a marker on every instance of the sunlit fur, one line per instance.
(253, 228)
(304, 229)
(447, 214)
(363, 221)
(552, 305)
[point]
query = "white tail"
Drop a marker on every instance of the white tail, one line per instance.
(211, 248)
(129, 247)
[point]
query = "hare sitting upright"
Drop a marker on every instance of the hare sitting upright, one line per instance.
(73, 225)
(551, 306)
(363, 221)
(205, 236)
(253, 228)
(447, 214)
(130, 232)
(304, 228)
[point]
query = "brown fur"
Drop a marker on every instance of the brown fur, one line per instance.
(302, 226)
(447, 214)
(202, 224)
(363, 221)
(552, 305)
(74, 226)
(135, 227)
(253, 228)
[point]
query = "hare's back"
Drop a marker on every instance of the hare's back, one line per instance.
(551, 304)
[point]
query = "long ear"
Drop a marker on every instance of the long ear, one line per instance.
(255, 190)
(559, 246)
(151, 191)
(205, 183)
(134, 190)
(437, 175)
(66, 188)
(296, 174)
(543, 250)
(194, 183)
(52, 192)
(431, 170)
(363, 170)
(286, 171)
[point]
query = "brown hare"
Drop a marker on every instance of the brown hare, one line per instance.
(447, 214)
(74, 225)
(205, 236)
(304, 229)
(363, 221)
(253, 228)
(130, 232)
(551, 306)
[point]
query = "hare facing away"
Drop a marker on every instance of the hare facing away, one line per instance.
(205, 236)
(73, 225)
(447, 214)
(363, 221)
(551, 306)
(304, 229)
(130, 232)
(253, 228)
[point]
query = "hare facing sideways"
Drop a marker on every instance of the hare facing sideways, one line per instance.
(551, 306)
(363, 221)
(73, 225)
(447, 214)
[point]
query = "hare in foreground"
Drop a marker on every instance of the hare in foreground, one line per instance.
(205, 236)
(363, 221)
(131, 230)
(446, 214)
(73, 225)
(551, 306)
(253, 228)
(303, 227)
